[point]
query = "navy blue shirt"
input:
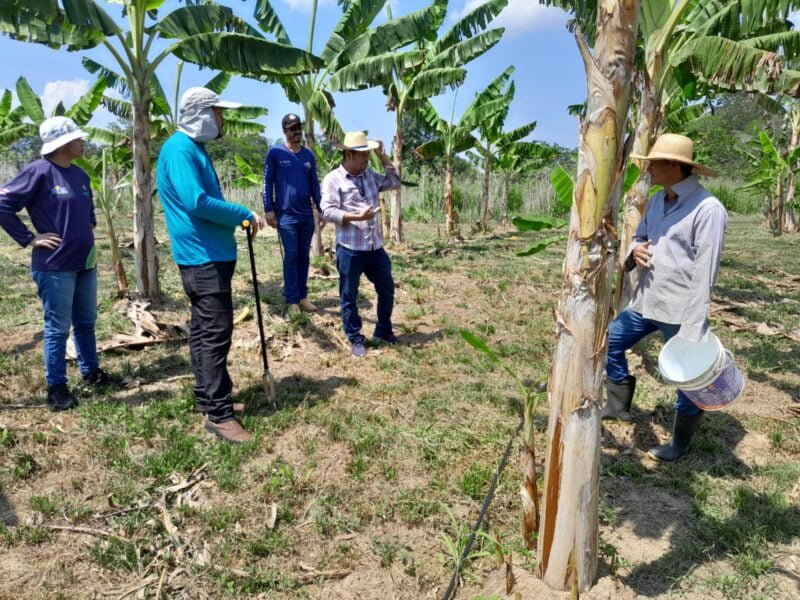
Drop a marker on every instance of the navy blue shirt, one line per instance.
(58, 200)
(290, 182)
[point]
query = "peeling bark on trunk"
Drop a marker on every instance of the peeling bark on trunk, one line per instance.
(385, 217)
(487, 174)
(568, 534)
(396, 227)
(529, 491)
(789, 221)
(144, 241)
(648, 128)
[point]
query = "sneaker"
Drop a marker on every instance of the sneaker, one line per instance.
(60, 398)
(390, 339)
(230, 431)
(307, 306)
(293, 310)
(101, 378)
(357, 349)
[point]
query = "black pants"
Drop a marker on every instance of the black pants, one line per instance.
(208, 287)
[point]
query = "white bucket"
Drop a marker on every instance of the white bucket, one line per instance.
(691, 365)
(704, 371)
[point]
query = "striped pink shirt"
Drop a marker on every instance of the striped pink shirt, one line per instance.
(344, 193)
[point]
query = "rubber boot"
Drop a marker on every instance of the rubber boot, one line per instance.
(619, 396)
(684, 429)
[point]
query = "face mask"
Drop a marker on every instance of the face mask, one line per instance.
(200, 125)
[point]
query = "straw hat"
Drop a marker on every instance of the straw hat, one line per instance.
(671, 146)
(357, 140)
(59, 131)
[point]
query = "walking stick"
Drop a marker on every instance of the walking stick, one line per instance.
(266, 379)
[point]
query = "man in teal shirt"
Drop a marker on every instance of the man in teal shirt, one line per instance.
(201, 226)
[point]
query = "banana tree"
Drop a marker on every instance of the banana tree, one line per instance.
(518, 159)
(24, 120)
(208, 34)
(494, 142)
(427, 69)
(111, 177)
(452, 138)
(774, 174)
(568, 535)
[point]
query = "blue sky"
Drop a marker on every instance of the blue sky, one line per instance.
(548, 71)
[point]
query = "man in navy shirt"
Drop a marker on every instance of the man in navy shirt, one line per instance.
(290, 188)
(58, 199)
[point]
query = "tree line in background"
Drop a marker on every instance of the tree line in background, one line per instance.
(723, 72)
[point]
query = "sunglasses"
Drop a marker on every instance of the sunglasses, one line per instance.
(293, 128)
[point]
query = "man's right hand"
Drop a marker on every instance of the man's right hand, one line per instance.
(51, 241)
(641, 254)
(271, 220)
(364, 215)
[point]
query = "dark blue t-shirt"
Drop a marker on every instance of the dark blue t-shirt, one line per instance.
(58, 200)
(290, 182)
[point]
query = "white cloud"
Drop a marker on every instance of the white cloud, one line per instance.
(62, 91)
(521, 16)
(305, 5)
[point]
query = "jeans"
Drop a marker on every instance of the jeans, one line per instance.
(295, 236)
(208, 287)
(623, 333)
(68, 298)
(377, 266)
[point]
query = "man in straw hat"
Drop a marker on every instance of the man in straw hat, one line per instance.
(677, 250)
(58, 199)
(290, 189)
(350, 199)
(201, 226)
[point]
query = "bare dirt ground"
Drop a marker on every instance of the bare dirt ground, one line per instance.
(373, 466)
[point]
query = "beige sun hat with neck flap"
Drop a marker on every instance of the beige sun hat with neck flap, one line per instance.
(671, 146)
(357, 140)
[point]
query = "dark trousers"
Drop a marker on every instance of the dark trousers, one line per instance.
(377, 266)
(209, 290)
(295, 234)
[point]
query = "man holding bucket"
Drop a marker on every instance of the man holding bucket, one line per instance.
(677, 250)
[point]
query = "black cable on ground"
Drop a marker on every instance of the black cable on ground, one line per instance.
(486, 502)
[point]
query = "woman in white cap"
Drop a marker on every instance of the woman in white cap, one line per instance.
(58, 199)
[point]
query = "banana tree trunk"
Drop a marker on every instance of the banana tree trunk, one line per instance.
(789, 222)
(396, 226)
(451, 218)
(506, 191)
(487, 174)
(776, 218)
(317, 248)
(649, 125)
(568, 534)
(144, 241)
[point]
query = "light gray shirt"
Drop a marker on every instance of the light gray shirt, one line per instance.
(686, 238)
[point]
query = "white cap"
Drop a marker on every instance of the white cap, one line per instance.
(199, 98)
(58, 131)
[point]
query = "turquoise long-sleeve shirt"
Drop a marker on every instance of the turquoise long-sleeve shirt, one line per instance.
(201, 224)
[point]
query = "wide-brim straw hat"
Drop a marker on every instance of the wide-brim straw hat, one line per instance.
(357, 140)
(671, 146)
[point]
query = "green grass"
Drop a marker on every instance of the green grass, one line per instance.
(380, 465)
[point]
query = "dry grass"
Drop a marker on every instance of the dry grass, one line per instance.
(373, 464)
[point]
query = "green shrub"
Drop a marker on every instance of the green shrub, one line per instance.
(514, 199)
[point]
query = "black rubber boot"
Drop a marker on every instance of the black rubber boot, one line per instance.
(685, 426)
(619, 396)
(60, 398)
